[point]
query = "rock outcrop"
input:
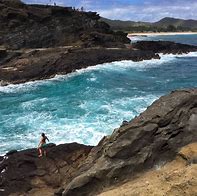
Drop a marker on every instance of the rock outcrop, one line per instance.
(21, 67)
(32, 64)
(178, 177)
(165, 47)
(154, 137)
(23, 171)
(39, 26)
(149, 140)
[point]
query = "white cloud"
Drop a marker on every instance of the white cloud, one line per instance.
(150, 12)
(147, 10)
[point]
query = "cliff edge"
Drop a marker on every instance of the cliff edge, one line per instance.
(41, 26)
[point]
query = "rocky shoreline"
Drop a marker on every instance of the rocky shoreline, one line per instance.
(35, 64)
(40, 41)
(153, 138)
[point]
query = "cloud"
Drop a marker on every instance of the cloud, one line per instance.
(137, 10)
(49, 2)
(150, 12)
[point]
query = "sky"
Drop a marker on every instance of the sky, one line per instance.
(135, 10)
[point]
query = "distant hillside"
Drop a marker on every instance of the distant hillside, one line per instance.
(165, 24)
(125, 25)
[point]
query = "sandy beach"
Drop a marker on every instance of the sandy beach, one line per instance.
(161, 33)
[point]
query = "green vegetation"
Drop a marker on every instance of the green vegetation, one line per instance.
(164, 25)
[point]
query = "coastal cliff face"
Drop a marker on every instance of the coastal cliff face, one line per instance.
(40, 41)
(39, 26)
(150, 140)
(33, 64)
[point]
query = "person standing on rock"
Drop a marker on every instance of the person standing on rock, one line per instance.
(42, 145)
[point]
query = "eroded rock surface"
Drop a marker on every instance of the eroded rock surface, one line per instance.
(39, 26)
(18, 67)
(152, 138)
(178, 177)
(32, 64)
(26, 174)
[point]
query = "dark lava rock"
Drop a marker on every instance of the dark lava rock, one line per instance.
(33, 64)
(154, 137)
(11, 152)
(165, 47)
(39, 26)
(40, 64)
(3, 53)
(23, 171)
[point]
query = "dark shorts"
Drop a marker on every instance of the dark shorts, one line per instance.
(43, 145)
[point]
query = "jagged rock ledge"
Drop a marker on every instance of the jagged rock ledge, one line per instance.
(33, 64)
(153, 138)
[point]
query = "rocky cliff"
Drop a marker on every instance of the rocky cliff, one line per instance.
(40, 41)
(177, 177)
(38, 26)
(150, 140)
(32, 64)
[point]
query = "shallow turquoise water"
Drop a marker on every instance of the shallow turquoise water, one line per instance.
(86, 105)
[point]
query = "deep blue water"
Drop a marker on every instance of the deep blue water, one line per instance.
(86, 105)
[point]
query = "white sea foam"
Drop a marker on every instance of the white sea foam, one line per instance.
(117, 65)
(30, 104)
(137, 38)
(88, 128)
(98, 117)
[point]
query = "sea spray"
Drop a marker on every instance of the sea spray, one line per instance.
(90, 103)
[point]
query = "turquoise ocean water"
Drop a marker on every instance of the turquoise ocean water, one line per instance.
(88, 104)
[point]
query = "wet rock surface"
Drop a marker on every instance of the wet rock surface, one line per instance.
(39, 64)
(33, 64)
(153, 138)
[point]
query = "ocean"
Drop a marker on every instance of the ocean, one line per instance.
(86, 105)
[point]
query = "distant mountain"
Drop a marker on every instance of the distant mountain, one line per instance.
(165, 24)
(120, 23)
(177, 23)
(124, 25)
